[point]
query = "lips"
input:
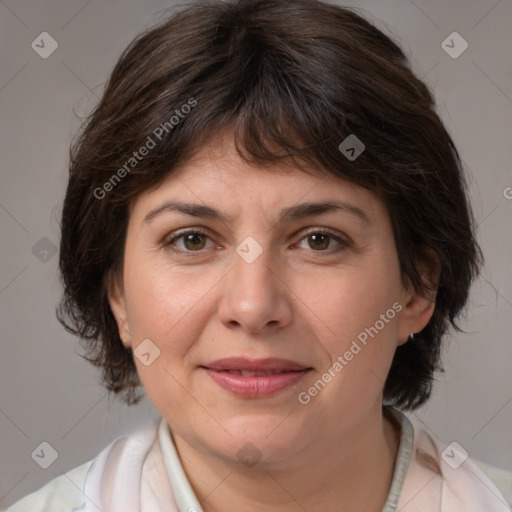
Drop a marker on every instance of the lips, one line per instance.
(251, 373)
(271, 364)
(256, 378)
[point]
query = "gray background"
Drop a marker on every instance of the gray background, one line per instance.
(49, 393)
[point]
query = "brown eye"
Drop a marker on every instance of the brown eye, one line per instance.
(194, 241)
(191, 241)
(321, 241)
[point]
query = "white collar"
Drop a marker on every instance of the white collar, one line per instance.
(422, 481)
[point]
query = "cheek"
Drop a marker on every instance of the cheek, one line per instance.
(357, 307)
(351, 302)
(163, 307)
(160, 302)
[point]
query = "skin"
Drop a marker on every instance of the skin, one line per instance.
(301, 299)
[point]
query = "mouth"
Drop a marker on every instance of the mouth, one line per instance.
(250, 373)
(270, 364)
(260, 378)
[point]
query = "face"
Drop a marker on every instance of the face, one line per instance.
(309, 299)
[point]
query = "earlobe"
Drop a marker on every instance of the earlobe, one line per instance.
(117, 304)
(417, 312)
(419, 305)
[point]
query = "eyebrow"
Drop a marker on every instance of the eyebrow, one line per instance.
(289, 214)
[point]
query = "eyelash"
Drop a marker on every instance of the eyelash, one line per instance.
(315, 231)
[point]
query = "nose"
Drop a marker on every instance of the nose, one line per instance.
(255, 295)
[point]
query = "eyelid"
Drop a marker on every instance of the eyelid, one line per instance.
(336, 235)
(175, 235)
(178, 234)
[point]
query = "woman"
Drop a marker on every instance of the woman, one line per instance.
(266, 225)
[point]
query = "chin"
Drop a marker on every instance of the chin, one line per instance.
(271, 438)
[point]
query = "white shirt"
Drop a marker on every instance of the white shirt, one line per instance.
(142, 472)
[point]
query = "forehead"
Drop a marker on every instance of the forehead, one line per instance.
(219, 160)
(217, 175)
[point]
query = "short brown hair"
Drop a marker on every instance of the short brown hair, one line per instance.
(292, 79)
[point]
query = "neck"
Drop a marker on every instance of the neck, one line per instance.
(350, 470)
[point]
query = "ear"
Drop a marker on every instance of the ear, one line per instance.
(117, 302)
(418, 305)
